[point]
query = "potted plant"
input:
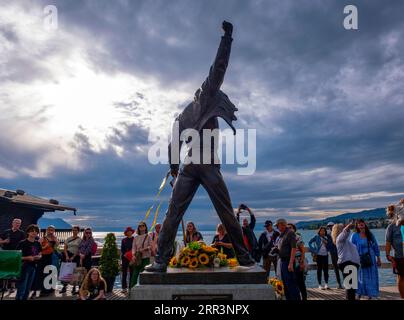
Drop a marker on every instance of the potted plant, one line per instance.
(109, 261)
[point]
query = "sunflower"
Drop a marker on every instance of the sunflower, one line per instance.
(203, 259)
(280, 288)
(193, 253)
(173, 262)
(185, 261)
(193, 263)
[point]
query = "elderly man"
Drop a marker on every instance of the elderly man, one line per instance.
(201, 115)
(287, 247)
(10, 238)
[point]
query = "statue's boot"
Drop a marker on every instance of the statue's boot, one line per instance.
(247, 263)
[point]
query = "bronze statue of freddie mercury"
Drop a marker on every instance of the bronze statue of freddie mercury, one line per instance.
(209, 103)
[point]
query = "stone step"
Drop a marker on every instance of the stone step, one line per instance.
(224, 275)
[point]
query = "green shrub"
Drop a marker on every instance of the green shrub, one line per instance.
(109, 261)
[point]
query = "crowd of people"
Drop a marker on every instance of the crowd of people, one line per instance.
(279, 247)
(40, 251)
(355, 252)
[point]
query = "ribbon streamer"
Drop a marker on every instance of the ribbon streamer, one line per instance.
(155, 216)
(161, 188)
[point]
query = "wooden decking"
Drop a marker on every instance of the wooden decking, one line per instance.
(386, 293)
(115, 295)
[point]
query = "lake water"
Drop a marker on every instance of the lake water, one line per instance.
(386, 276)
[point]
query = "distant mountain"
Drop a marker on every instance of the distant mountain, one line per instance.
(373, 214)
(57, 222)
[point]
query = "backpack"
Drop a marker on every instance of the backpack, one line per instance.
(94, 248)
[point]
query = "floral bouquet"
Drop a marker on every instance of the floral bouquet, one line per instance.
(198, 254)
(278, 286)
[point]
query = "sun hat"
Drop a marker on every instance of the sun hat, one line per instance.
(128, 229)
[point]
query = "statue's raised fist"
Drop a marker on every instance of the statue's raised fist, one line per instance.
(227, 27)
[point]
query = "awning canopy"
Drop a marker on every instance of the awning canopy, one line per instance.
(19, 197)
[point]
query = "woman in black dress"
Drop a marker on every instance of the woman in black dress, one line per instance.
(222, 241)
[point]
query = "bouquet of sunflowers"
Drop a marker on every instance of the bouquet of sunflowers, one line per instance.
(198, 254)
(278, 286)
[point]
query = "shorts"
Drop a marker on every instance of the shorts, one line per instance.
(399, 270)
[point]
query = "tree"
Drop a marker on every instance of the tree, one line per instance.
(109, 261)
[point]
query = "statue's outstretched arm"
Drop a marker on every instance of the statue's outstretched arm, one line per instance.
(217, 71)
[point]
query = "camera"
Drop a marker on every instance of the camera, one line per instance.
(274, 251)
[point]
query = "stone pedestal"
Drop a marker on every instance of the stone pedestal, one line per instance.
(204, 284)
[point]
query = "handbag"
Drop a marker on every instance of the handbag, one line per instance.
(128, 255)
(314, 257)
(66, 271)
(79, 274)
(137, 258)
(366, 258)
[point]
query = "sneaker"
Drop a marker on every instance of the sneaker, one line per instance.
(124, 290)
(326, 287)
(11, 290)
(156, 267)
(320, 287)
(340, 287)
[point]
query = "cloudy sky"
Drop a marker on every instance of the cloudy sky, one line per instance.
(78, 104)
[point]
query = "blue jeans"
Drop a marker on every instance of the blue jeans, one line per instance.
(289, 280)
(26, 281)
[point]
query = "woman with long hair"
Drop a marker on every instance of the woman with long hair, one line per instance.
(49, 244)
(141, 252)
(347, 254)
(319, 246)
(86, 248)
(192, 234)
(222, 242)
(369, 253)
(93, 286)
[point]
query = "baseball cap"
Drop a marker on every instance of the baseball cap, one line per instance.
(267, 223)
